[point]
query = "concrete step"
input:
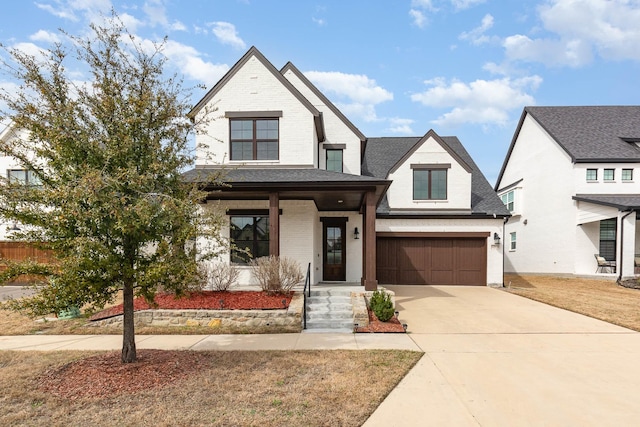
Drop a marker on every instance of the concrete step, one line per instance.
(331, 292)
(330, 309)
(328, 331)
(330, 324)
(327, 315)
(318, 299)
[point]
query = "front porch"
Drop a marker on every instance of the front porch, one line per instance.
(608, 235)
(322, 218)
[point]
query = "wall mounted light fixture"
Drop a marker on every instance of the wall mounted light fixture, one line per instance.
(356, 234)
(496, 239)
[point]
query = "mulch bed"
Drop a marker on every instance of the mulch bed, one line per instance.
(393, 325)
(105, 376)
(205, 300)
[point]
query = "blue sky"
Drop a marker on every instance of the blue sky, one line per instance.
(395, 68)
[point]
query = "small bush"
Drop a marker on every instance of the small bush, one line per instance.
(221, 276)
(380, 303)
(276, 275)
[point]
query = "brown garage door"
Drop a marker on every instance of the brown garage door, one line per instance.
(432, 261)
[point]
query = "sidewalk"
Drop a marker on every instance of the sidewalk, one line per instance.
(303, 341)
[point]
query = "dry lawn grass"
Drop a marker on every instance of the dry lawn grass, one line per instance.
(273, 388)
(601, 299)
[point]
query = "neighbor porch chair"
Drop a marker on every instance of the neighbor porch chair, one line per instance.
(604, 264)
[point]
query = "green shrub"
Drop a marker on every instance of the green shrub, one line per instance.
(380, 303)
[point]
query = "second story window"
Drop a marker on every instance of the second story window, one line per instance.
(509, 200)
(23, 176)
(627, 174)
(334, 160)
(429, 184)
(592, 174)
(254, 139)
(609, 174)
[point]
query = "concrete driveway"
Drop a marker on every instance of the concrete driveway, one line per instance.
(496, 359)
(8, 292)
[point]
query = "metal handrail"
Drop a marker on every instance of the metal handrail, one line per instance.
(307, 283)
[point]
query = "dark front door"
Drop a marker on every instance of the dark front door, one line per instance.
(334, 248)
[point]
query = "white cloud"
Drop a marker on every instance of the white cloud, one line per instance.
(354, 94)
(573, 52)
(319, 21)
(477, 36)
(189, 61)
(424, 4)
(465, 4)
(157, 14)
(479, 102)
(400, 126)
(226, 33)
(45, 36)
(419, 20)
(31, 49)
(579, 30)
(59, 10)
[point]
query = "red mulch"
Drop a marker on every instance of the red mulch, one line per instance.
(105, 376)
(205, 300)
(393, 325)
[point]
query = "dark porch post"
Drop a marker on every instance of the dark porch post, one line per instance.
(369, 243)
(274, 224)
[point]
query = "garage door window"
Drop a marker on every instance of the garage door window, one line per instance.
(429, 184)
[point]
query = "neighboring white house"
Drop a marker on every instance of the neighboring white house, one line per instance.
(570, 180)
(305, 183)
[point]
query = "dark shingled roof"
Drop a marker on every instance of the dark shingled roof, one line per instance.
(383, 153)
(620, 201)
(307, 175)
(593, 133)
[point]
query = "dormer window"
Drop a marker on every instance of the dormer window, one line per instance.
(430, 181)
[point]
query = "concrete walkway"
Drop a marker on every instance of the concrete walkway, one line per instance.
(491, 359)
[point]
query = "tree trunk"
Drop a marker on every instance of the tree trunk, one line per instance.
(128, 331)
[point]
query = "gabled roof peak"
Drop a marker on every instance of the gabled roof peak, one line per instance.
(253, 52)
(430, 134)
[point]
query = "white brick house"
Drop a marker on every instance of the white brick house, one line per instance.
(570, 181)
(304, 182)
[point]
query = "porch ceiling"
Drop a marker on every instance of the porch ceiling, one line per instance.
(325, 200)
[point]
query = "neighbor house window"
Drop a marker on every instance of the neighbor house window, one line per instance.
(429, 184)
(254, 139)
(609, 174)
(512, 241)
(627, 174)
(608, 239)
(334, 160)
(592, 174)
(24, 177)
(508, 200)
(250, 238)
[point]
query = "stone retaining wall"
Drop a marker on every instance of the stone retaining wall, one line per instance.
(290, 318)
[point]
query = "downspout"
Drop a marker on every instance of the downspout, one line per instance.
(622, 244)
(504, 240)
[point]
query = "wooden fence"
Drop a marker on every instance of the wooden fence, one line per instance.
(20, 251)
